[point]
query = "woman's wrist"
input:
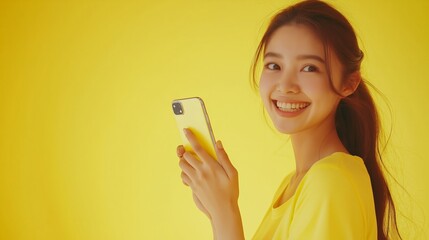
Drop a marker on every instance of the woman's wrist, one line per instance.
(227, 224)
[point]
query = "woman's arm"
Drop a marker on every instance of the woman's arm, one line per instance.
(215, 187)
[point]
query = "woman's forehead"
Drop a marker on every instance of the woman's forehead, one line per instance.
(295, 39)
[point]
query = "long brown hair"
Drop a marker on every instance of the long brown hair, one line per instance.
(357, 121)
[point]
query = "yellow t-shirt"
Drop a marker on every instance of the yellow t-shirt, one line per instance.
(333, 201)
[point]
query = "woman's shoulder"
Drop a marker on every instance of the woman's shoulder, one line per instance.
(340, 165)
(336, 193)
(338, 172)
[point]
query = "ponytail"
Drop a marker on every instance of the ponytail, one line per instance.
(358, 126)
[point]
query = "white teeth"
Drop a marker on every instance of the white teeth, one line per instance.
(291, 107)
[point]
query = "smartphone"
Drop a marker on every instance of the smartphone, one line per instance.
(191, 113)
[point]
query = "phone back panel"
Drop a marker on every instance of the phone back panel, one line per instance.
(195, 118)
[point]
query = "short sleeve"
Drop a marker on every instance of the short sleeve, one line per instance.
(328, 207)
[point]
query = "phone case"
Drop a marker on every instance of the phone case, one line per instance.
(193, 115)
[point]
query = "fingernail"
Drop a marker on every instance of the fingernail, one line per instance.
(185, 131)
(219, 144)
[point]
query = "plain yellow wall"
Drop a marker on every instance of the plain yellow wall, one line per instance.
(87, 137)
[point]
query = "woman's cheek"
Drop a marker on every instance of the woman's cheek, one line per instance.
(264, 90)
(263, 86)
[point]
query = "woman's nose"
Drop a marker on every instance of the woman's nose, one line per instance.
(288, 83)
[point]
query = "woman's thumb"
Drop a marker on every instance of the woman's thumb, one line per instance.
(224, 160)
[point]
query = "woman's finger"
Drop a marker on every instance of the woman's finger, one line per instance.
(196, 146)
(224, 161)
(192, 160)
(185, 179)
(180, 151)
(186, 167)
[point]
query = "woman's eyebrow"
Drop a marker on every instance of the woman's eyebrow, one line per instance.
(299, 57)
(310, 56)
(272, 54)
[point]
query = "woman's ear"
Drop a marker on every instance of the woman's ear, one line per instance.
(351, 83)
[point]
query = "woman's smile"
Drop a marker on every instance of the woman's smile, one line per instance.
(290, 108)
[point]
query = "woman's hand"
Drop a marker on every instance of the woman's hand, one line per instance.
(214, 186)
(214, 183)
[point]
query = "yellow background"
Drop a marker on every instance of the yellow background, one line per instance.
(87, 136)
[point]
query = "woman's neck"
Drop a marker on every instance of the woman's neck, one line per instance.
(314, 144)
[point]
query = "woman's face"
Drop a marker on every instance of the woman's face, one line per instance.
(294, 84)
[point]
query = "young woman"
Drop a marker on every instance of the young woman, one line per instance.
(312, 89)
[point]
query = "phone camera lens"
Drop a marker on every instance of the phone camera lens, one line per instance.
(177, 108)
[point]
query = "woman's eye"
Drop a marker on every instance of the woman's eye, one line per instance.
(272, 66)
(309, 68)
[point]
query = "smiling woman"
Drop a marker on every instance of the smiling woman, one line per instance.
(313, 91)
(339, 116)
